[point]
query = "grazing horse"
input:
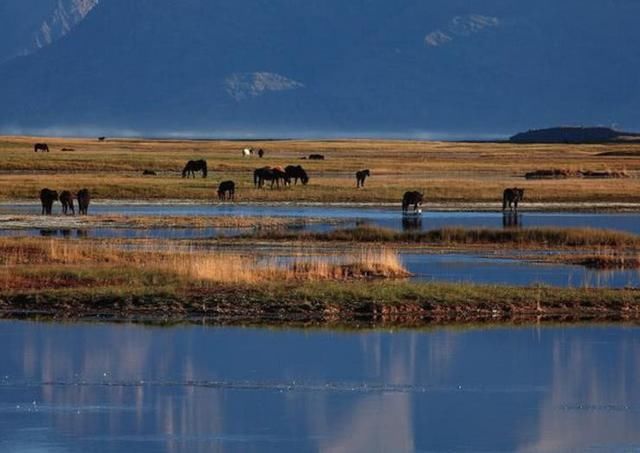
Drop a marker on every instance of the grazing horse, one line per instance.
(101, 139)
(227, 190)
(511, 197)
(148, 173)
(194, 166)
(84, 198)
(412, 198)
(296, 172)
(275, 175)
(361, 176)
(66, 199)
(40, 147)
(47, 198)
(261, 153)
(316, 157)
(247, 152)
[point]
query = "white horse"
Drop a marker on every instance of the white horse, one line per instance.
(247, 152)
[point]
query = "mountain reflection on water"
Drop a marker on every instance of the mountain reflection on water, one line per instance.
(82, 387)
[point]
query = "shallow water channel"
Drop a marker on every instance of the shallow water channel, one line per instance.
(384, 217)
(115, 388)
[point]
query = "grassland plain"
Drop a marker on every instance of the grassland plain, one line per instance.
(446, 171)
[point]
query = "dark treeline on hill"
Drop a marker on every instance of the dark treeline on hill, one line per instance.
(459, 68)
(574, 135)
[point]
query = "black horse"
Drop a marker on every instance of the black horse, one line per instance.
(361, 176)
(66, 199)
(41, 147)
(227, 190)
(47, 198)
(275, 175)
(194, 166)
(84, 198)
(296, 172)
(316, 157)
(148, 173)
(101, 139)
(261, 153)
(411, 198)
(511, 197)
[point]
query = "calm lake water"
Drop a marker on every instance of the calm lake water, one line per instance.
(116, 388)
(456, 267)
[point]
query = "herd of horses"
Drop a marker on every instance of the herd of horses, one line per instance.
(48, 197)
(283, 177)
(277, 177)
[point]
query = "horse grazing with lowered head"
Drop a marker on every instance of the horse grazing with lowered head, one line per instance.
(227, 190)
(247, 152)
(194, 166)
(41, 147)
(47, 198)
(84, 198)
(511, 197)
(275, 175)
(66, 199)
(412, 198)
(316, 156)
(296, 172)
(361, 176)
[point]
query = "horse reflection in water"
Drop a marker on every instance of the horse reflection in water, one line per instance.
(66, 233)
(511, 219)
(412, 223)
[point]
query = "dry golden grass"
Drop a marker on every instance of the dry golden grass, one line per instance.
(233, 268)
(50, 262)
(445, 171)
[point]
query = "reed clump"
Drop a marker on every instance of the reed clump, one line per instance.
(232, 268)
(541, 237)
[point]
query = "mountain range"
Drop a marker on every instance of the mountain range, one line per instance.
(420, 68)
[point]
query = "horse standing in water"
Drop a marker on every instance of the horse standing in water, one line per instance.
(511, 197)
(412, 198)
(361, 176)
(84, 198)
(66, 199)
(227, 190)
(41, 147)
(47, 198)
(194, 166)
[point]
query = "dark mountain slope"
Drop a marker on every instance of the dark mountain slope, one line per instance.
(323, 66)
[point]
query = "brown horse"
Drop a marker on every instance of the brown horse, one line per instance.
(66, 199)
(41, 147)
(275, 175)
